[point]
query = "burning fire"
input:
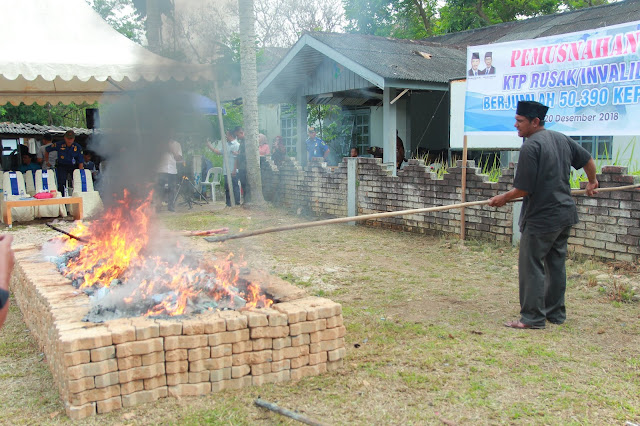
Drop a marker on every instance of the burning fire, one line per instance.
(115, 249)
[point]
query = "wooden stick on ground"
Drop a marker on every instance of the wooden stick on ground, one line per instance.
(381, 215)
(292, 414)
(82, 240)
(204, 233)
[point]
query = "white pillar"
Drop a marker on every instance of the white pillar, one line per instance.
(389, 128)
(301, 112)
(352, 194)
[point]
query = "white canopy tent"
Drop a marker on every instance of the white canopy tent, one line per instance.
(63, 51)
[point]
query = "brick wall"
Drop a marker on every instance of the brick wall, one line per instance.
(609, 227)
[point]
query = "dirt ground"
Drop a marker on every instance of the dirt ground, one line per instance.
(425, 340)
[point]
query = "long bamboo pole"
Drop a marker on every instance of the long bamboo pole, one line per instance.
(385, 214)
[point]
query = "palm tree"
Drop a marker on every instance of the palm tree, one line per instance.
(249, 78)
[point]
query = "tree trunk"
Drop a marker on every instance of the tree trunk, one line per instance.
(423, 15)
(249, 78)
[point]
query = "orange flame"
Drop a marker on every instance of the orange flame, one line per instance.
(117, 249)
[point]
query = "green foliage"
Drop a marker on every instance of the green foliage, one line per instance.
(232, 119)
(333, 127)
(71, 115)
(122, 16)
(391, 18)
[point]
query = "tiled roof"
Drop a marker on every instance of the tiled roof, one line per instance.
(29, 129)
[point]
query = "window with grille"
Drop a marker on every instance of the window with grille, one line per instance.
(289, 128)
(359, 120)
(600, 147)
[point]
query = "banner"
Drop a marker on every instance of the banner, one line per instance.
(590, 81)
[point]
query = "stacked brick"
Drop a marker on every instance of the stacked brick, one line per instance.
(609, 228)
(104, 367)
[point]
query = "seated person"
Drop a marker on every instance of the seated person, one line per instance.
(263, 147)
(279, 151)
(90, 165)
(354, 152)
(27, 164)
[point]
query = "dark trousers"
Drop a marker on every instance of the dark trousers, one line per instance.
(170, 181)
(242, 177)
(543, 277)
(62, 173)
(236, 189)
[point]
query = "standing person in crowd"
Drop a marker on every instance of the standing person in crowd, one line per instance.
(232, 161)
(47, 139)
(242, 164)
(69, 158)
(354, 152)
(263, 147)
(279, 151)
(548, 213)
(168, 174)
(6, 267)
(399, 151)
(316, 147)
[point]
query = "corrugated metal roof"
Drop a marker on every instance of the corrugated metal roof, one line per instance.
(549, 25)
(28, 129)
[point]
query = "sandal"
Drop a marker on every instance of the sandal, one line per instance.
(522, 326)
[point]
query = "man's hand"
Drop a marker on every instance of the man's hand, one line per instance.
(498, 201)
(591, 187)
(6, 260)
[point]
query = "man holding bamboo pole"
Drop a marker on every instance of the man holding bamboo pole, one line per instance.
(548, 213)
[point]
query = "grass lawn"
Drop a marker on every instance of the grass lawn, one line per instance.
(425, 340)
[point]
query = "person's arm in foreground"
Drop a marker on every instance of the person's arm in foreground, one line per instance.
(6, 266)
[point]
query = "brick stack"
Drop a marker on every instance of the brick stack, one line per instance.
(103, 367)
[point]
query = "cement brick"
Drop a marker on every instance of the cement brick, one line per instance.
(178, 378)
(192, 327)
(185, 342)
(144, 372)
(309, 370)
(258, 369)
(77, 386)
(131, 387)
(143, 347)
(328, 334)
(155, 382)
(240, 371)
(84, 339)
(199, 376)
(256, 319)
(94, 395)
(235, 384)
(107, 380)
(176, 355)
(335, 365)
(101, 354)
(122, 333)
(294, 313)
(214, 324)
(317, 358)
(143, 397)
(283, 342)
(284, 364)
(221, 374)
(222, 350)
(80, 412)
(76, 358)
(261, 344)
(277, 318)
(300, 361)
(109, 405)
(278, 377)
(129, 362)
(199, 353)
(169, 328)
(301, 339)
(326, 345)
(153, 358)
(173, 367)
(188, 389)
(336, 354)
(145, 328)
(336, 321)
(228, 337)
(246, 346)
(92, 369)
(234, 320)
(272, 332)
(308, 327)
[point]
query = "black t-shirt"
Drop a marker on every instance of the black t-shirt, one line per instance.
(543, 171)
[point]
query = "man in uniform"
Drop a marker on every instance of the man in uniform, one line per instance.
(548, 213)
(316, 147)
(69, 158)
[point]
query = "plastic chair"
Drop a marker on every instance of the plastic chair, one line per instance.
(83, 187)
(14, 189)
(45, 181)
(29, 182)
(212, 179)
